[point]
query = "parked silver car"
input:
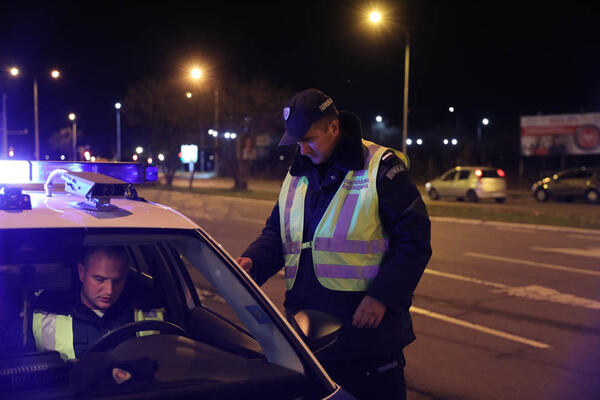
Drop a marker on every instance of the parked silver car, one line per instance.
(470, 183)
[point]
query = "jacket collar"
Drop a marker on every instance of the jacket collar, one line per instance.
(348, 155)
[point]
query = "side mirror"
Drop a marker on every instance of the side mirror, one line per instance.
(319, 330)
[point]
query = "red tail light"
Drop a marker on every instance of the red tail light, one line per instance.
(478, 173)
(500, 173)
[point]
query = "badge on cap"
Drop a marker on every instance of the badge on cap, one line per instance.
(286, 113)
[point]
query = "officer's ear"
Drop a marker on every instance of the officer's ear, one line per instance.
(81, 271)
(334, 127)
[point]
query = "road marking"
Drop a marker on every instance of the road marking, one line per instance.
(480, 328)
(533, 292)
(252, 220)
(593, 252)
(533, 263)
(515, 229)
(584, 237)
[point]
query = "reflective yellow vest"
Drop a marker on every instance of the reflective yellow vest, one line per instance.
(54, 332)
(349, 241)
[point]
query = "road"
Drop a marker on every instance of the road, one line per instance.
(501, 312)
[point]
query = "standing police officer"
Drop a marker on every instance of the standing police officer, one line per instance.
(353, 233)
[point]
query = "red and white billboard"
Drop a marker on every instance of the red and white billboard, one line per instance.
(543, 135)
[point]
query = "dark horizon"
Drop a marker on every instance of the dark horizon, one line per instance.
(501, 61)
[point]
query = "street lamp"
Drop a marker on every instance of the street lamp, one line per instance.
(375, 17)
(139, 149)
(195, 74)
(118, 108)
(73, 118)
(484, 122)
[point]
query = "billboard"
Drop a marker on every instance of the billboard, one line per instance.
(544, 135)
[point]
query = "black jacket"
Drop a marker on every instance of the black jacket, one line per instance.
(88, 327)
(404, 219)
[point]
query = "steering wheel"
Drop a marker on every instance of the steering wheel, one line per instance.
(113, 338)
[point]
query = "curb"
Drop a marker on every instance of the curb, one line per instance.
(518, 225)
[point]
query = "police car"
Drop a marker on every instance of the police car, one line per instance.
(221, 337)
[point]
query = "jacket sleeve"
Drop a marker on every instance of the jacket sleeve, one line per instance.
(405, 220)
(266, 251)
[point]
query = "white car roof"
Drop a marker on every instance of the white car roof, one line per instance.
(62, 211)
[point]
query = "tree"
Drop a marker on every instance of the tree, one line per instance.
(167, 118)
(248, 109)
(62, 140)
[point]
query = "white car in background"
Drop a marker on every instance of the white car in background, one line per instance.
(470, 183)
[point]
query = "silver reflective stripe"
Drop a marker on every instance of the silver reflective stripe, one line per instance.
(346, 271)
(340, 245)
(345, 219)
(290, 271)
(291, 247)
(49, 332)
(288, 208)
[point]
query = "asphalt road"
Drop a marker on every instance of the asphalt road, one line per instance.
(502, 311)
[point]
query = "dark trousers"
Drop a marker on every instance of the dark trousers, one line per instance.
(370, 378)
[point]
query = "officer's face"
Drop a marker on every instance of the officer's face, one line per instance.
(102, 281)
(319, 142)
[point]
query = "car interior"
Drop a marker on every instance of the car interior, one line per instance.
(204, 346)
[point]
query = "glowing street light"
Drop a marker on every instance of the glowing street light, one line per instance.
(408, 142)
(454, 142)
(484, 122)
(118, 152)
(73, 118)
(14, 71)
(161, 157)
(376, 17)
(139, 149)
(188, 95)
(196, 73)
(149, 160)
(445, 141)
(379, 118)
(134, 157)
(55, 74)
(419, 141)
(451, 109)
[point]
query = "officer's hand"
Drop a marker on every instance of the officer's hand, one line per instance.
(369, 313)
(245, 262)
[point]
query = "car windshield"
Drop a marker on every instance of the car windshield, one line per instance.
(179, 271)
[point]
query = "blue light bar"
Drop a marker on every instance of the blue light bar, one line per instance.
(16, 171)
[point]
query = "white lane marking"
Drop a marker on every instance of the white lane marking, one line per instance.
(593, 252)
(534, 292)
(515, 229)
(584, 237)
(533, 263)
(480, 328)
(252, 220)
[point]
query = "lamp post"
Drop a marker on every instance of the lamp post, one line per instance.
(483, 122)
(196, 74)
(376, 18)
(73, 118)
(118, 153)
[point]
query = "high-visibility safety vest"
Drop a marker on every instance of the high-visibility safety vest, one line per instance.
(349, 241)
(54, 332)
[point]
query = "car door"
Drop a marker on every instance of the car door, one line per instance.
(446, 185)
(461, 183)
(561, 183)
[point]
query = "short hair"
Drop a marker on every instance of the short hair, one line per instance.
(323, 123)
(114, 252)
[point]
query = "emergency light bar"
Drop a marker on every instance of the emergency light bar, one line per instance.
(17, 171)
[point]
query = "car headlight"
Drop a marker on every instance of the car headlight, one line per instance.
(428, 186)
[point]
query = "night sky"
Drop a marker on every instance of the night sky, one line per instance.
(500, 60)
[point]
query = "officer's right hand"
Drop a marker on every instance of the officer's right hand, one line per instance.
(246, 263)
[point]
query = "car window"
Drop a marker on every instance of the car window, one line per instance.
(34, 261)
(449, 176)
(464, 174)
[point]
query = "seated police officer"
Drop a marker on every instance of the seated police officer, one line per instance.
(106, 300)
